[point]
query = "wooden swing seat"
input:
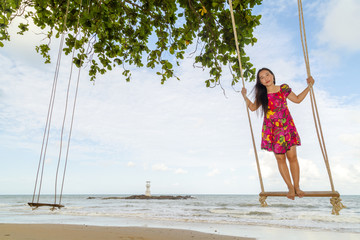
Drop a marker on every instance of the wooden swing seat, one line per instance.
(335, 198)
(306, 194)
(36, 205)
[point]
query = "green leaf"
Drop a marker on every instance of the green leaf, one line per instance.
(152, 34)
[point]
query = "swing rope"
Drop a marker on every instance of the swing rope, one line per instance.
(243, 83)
(312, 94)
(72, 116)
(49, 117)
(335, 201)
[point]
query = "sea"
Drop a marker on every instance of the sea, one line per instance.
(221, 214)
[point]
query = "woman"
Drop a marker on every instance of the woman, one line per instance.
(279, 133)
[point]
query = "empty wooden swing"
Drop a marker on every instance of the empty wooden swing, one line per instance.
(40, 171)
(335, 196)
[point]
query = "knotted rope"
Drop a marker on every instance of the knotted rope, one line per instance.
(337, 205)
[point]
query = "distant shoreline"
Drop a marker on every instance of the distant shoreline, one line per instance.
(144, 197)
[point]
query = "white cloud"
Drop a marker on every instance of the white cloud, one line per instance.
(341, 24)
(232, 180)
(213, 172)
(22, 47)
(278, 7)
(102, 163)
(268, 165)
(160, 167)
(347, 173)
(130, 164)
(180, 171)
(351, 139)
(49, 160)
(326, 58)
(309, 171)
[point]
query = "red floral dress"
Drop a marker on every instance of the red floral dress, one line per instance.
(279, 132)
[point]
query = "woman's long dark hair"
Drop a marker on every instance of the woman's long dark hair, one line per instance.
(261, 97)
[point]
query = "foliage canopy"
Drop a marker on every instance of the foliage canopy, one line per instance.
(151, 33)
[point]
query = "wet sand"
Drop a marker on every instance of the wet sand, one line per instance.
(85, 232)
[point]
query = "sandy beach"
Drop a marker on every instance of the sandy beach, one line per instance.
(79, 232)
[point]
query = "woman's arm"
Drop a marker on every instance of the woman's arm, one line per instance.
(299, 98)
(252, 106)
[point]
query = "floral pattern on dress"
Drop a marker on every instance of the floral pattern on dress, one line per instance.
(279, 133)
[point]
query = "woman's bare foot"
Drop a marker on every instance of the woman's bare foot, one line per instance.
(291, 194)
(299, 192)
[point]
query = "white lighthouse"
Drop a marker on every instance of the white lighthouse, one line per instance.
(147, 192)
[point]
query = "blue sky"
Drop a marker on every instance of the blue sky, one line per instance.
(181, 136)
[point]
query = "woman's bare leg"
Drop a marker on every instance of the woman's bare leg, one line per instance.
(284, 171)
(295, 170)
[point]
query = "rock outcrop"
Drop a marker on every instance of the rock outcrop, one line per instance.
(161, 197)
(158, 197)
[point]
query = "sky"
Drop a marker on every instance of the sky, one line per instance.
(183, 137)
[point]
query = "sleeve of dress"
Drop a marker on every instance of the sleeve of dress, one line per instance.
(285, 89)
